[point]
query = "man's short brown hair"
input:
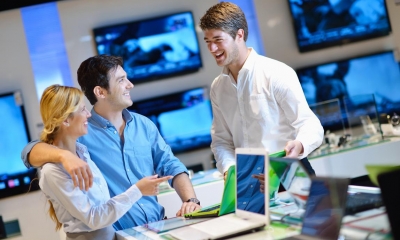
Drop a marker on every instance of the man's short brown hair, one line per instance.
(225, 16)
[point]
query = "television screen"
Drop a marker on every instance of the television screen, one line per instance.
(353, 78)
(183, 119)
(153, 48)
(324, 23)
(15, 178)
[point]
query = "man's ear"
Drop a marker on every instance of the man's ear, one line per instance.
(99, 92)
(240, 34)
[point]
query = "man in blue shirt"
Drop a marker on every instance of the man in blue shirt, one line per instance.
(125, 146)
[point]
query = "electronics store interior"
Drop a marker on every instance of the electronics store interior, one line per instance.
(346, 58)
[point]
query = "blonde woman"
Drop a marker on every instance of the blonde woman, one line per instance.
(83, 214)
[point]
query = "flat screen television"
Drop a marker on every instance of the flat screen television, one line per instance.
(183, 119)
(153, 48)
(377, 74)
(15, 178)
(325, 23)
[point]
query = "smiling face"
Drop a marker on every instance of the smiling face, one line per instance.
(77, 121)
(222, 46)
(118, 94)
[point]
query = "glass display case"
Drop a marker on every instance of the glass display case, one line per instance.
(349, 123)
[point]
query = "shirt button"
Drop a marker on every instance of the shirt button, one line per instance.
(115, 132)
(258, 168)
(251, 186)
(141, 204)
(128, 169)
(244, 202)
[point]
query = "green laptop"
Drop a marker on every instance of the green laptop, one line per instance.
(227, 204)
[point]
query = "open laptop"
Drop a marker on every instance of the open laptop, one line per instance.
(389, 184)
(250, 214)
(324, 209)
(227, 204)
(296, 181)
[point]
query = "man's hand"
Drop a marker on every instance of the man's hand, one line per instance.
(184, 188)
(293, 149)
(78, 169)
(148, 186)
(260, 178)
(187, 207)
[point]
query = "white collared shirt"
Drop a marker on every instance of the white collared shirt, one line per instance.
(84, 211)
(266, 108)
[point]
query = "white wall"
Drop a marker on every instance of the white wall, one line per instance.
(79, 17)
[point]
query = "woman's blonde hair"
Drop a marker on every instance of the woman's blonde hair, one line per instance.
(56, 105)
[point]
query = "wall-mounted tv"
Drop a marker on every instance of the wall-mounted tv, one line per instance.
(153, 48)
(184, 119)
(15, 178)
(377, 74)
(325, 23)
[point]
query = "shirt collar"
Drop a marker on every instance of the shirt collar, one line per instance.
(251, 59)
(104, 123)
(81, 150)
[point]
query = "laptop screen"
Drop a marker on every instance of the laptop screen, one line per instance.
(325, 208)
(293, 177)
(250, 198)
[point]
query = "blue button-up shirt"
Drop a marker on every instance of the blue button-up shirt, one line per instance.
(143, 153)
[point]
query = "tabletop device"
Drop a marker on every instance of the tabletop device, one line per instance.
(321, 24)
(183, 118)
(389, 184)
(250, 214)
(296, 181)
(15, 178)
(227, 204)
(153, 49)
(324, 209)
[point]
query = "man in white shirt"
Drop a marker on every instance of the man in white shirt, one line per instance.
(256, 101)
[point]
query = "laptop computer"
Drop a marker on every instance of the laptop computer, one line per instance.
(324, 209)
(250, 214)
(296, 181)
(389, 184)
(227, 204)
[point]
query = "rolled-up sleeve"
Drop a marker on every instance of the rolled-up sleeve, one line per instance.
(25, 153)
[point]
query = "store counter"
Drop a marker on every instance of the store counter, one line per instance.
(350, 163)
(371, 224)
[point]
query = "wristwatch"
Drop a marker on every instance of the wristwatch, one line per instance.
(195, 200)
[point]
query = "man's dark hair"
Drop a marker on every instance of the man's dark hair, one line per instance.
(95, 71)
(225, 16)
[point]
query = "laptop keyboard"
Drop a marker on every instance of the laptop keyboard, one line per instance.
(359, 202)
(210, 208)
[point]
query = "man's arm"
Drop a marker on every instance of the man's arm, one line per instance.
(184, 188)
(79, 170)
(222, 144)
(309, 131)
